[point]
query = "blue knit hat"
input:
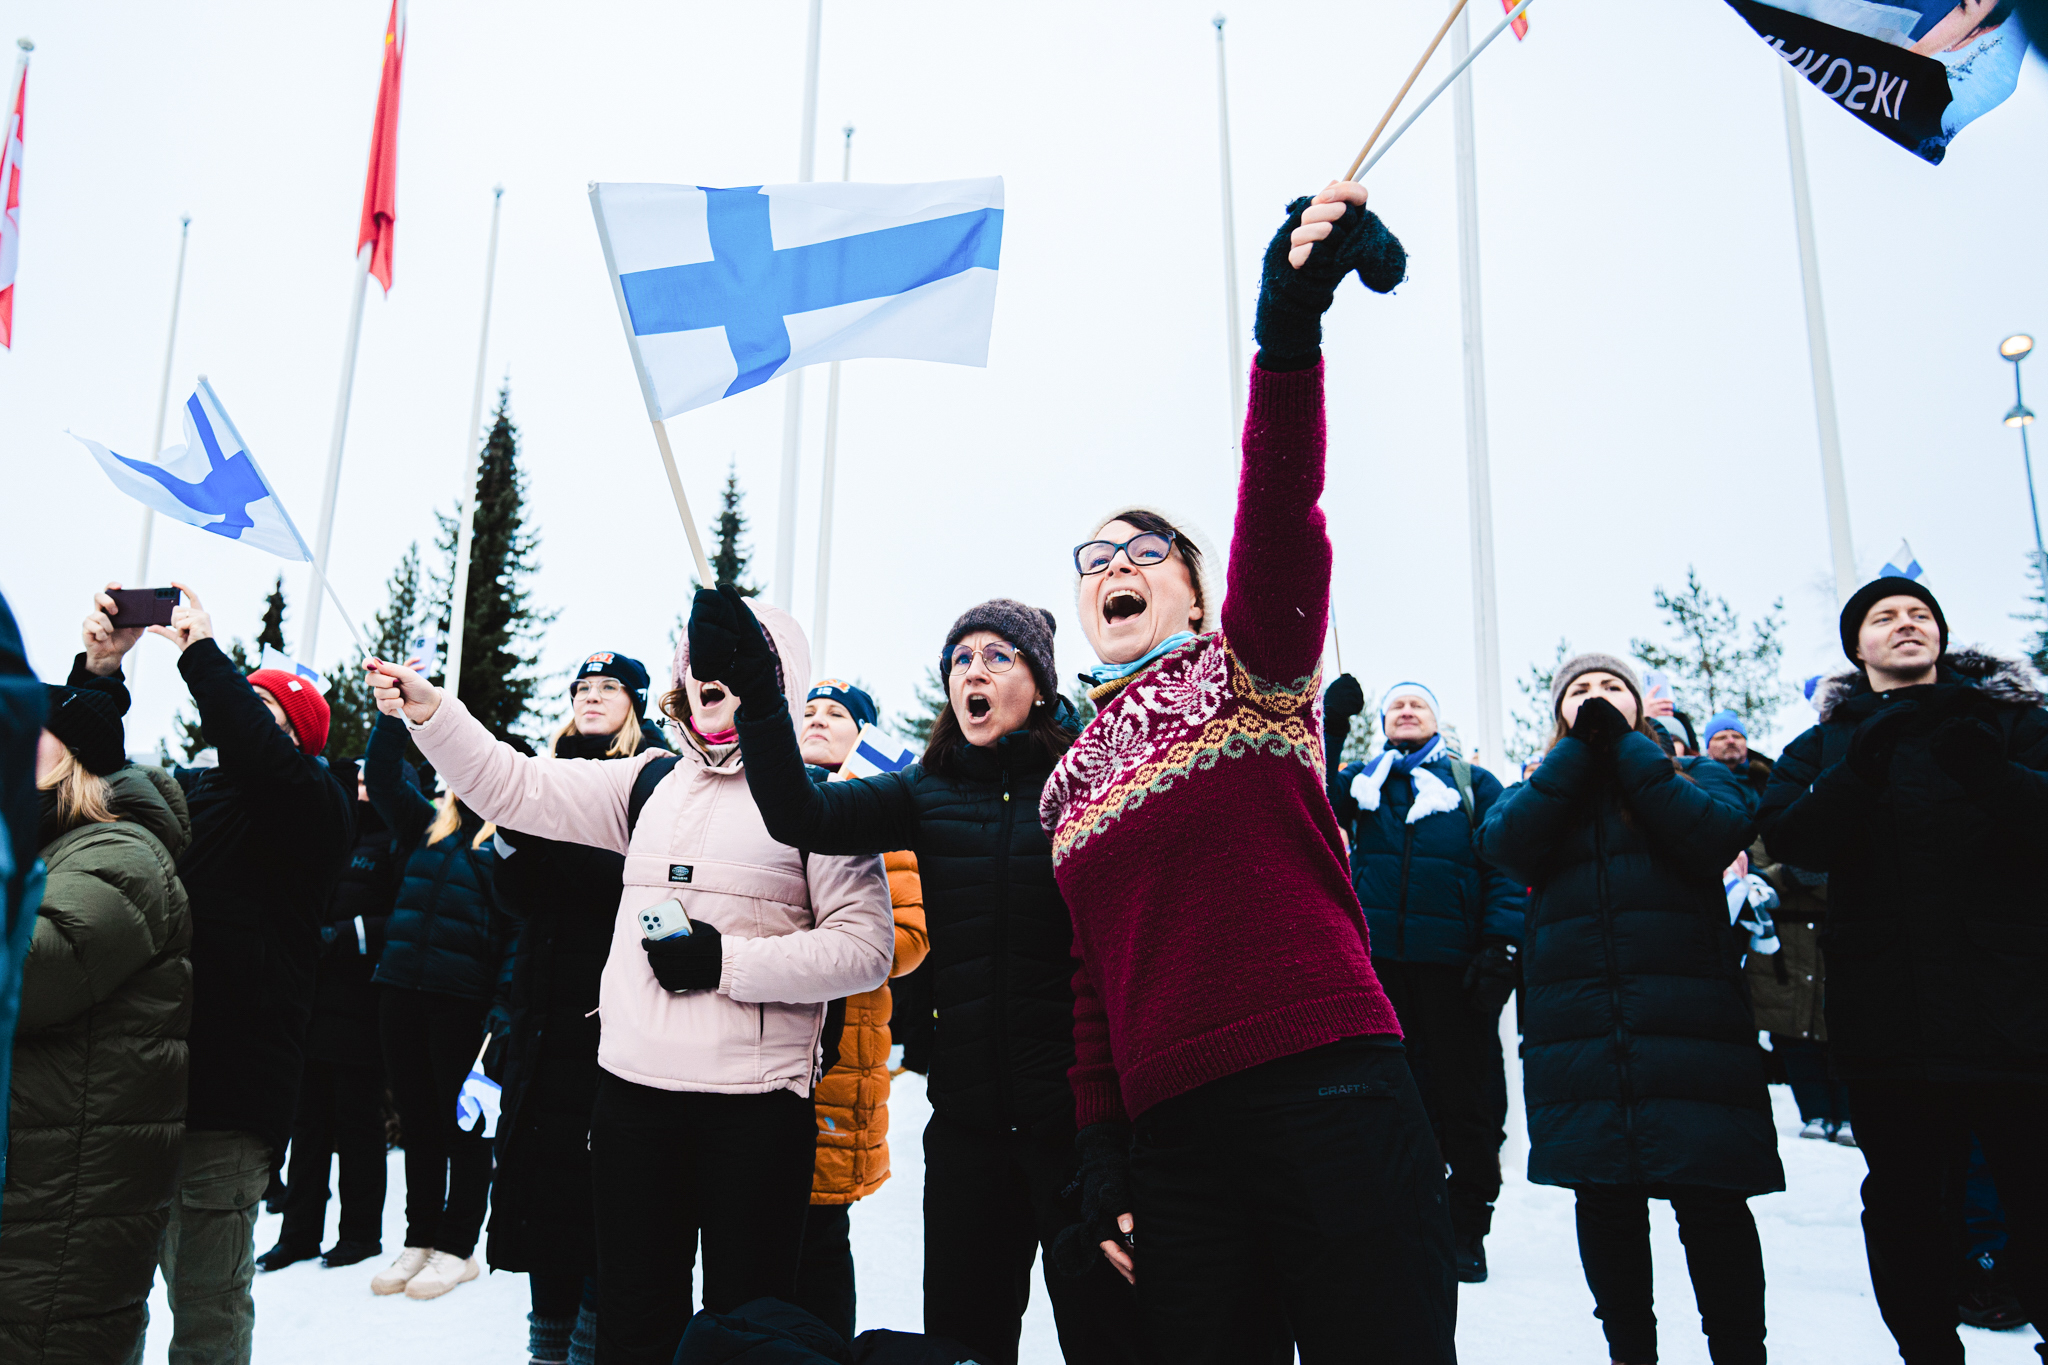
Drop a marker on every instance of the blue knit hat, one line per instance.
(1722, 720)
(1409, 689)
(858, 704)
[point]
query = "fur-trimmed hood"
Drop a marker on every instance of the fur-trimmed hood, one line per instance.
(2009, 682)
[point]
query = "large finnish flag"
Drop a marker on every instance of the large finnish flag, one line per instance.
(211, 481)
(721, 290)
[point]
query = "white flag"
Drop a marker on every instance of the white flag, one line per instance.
(273, 657)
(876, 751)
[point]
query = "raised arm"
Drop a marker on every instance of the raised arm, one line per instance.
(867, 815)
(255, 752)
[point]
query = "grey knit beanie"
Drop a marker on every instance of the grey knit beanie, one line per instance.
(1029, 628)
(1593, 663)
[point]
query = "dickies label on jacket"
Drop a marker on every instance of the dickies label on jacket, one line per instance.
(679, 872)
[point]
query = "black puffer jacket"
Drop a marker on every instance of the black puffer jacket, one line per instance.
(441, 936)
(1640, 1064)
(1937, 927)
(1001, 937)
(561, 901)
(344, 1027)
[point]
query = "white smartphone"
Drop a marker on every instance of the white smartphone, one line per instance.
(665, 920)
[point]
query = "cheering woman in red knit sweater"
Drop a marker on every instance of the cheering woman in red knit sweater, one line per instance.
(1254, 1153)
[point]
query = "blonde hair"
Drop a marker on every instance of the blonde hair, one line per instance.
(624, 744)
(81, 795)
(449, 819)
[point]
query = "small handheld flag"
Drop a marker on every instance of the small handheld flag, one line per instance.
(1902, 564)
(1521, 23)
(273, 657)
(478, 1103)
(876, 751)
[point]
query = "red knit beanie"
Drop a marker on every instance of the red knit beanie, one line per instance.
(303, 705)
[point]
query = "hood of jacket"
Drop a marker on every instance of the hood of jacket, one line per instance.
(2008, 682)
(792, 665)
(151, 798)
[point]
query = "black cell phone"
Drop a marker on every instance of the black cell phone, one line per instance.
(143, 606)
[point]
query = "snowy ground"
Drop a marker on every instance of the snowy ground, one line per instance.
(1534, 1311)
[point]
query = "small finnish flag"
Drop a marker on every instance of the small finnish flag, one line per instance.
(1902, 564)
(211, 481)
(876, 751)
(273, 657)
(722, 290)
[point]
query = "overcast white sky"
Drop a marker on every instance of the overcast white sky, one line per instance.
(1650, 405)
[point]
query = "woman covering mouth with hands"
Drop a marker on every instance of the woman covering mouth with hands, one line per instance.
(1254, 1150)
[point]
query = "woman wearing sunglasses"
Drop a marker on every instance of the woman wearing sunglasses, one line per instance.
(1254, 1152)
(999, 1152)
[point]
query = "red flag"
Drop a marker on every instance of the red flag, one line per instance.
(10, 224)
(380, 191)
(1522, 24)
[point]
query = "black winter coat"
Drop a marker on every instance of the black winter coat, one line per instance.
(1002, 939)
(1640, 1062)
(560, 902)
(441, 936)
(344, 1027)
(271, 831)
(1936, 935)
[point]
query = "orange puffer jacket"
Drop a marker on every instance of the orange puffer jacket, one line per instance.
(853, 1098)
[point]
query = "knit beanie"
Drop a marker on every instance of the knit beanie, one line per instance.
(303, 705)
(858, 703)
(1722, 720)
(89, 723)
(1593, 663)
(630, 673)
(1030, 629)
(1875, 591)
(1409, 689)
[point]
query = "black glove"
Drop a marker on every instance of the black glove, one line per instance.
(727, 645)
(1289, 323)
(498, 1019)
(330, 934)
(1969, 751)
(1598, 723)
(1105, 1184)
(1344, 700)
(687, 962)
(1491, 977)
(1871, 747)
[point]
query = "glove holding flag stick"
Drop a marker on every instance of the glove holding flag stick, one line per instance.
(1362, 165)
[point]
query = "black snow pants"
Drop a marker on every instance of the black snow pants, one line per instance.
(430, 1041)
(341, 1114)
(1455, 1053)
(1721, 1252)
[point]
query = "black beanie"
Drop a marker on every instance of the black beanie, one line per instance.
(1029, 628)
(631, 675)
(89, 723)
(1875, 591)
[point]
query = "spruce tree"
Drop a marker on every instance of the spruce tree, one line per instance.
(1535, 722)
(272, 631)
(351, 708)
(1719, 663)
(501, 627)
(729, 560)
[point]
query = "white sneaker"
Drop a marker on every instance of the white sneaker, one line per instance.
(1845, 1135)
(1815, 1129)
(441, 1274)
(395, 1276)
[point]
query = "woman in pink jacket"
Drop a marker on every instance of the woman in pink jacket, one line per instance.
(703, 1122)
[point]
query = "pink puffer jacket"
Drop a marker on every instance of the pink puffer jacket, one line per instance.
(798, 931)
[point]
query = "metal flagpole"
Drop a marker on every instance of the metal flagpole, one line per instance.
(1229, 243)
(465, 488)
(331, 486)
(825, 493)
(1833, 483)
(782, 589)
(163, 397)
(1478, 468)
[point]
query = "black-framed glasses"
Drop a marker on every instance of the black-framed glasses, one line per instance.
(1151, 547)
(996, 658)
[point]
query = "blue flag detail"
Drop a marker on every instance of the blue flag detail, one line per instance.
(226, 491)
(1902, 564)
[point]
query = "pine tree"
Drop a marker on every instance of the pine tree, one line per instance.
(1535, 721)
(1358, 744)
(730, 559)
(501, 627)
(2036, 616)
(272, 631)
(917, 722)
(1718, 663)
(352, 709)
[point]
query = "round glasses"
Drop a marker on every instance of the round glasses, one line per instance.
(1150, 548)
(597, 687)
(995, 658)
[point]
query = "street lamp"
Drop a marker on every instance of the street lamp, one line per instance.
(2016, 348)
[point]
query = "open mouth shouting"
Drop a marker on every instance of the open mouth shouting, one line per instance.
(710, 694)
(978, 706)
(1122, 604)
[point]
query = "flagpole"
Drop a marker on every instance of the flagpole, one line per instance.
(163, 396)
(782, 589)
(465, 487)
(1834, 484)
(829, 482)
(331, 485)
(1230, 322)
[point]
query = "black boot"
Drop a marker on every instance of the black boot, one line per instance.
(1987, 1299)
(282, 1255)
(346, 1252)
(1468, 1257)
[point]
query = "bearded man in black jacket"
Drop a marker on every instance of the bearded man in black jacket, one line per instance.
(1922, 794)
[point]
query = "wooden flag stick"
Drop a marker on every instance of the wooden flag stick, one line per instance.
(1445, 84)
(1402, 94)
(675, 486)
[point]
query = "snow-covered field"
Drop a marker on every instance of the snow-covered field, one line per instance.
(1535, 1310)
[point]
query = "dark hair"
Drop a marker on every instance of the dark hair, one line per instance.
(942, 750)
(1189, 552)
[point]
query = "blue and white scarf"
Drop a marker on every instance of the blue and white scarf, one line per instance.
(1103, 673)
(1432, 795)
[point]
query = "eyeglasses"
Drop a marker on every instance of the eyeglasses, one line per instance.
(1149, 548)
(597, 687)
(996, 658)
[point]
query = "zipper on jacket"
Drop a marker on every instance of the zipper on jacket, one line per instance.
(1624, 1084)
(1001, 957)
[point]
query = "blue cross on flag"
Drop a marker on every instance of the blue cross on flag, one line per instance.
(876, 751)
(721, 290)
(1902, 564)
(211, 481)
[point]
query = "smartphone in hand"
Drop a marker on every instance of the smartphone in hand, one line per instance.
(142, 606)
(665, 920)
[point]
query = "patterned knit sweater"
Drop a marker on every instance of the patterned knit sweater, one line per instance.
(1214, 921)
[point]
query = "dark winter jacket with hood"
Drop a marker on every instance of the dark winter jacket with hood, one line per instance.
(98, 1095)
(1428, 895)
(1640, 1062)
(441, 936)
(344, 1027)
(21, 879)
(1001, 956)
(1937, 923)
(558, 902)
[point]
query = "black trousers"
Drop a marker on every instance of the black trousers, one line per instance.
(1454, 1051)
(991, 1201)
(1818, 1091)
(1296, 1204)
(1721, 1252)
(824, 1278)
(1915, 1137)
(911, 1021)
(669, 1166)
(341, 1113)
(430, 1040)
